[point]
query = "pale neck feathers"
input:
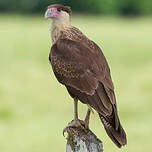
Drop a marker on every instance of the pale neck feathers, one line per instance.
(58, 25)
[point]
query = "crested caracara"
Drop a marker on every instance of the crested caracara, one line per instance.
(79, 64)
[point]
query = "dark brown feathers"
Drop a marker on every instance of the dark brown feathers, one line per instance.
(79, 64)
(117, 136)
(62, 7)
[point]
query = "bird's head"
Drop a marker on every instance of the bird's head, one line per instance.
(57, 11)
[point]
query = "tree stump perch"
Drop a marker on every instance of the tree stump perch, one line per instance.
(79, 140)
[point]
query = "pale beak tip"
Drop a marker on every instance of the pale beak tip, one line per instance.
(47, 14)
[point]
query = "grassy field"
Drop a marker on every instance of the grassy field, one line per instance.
(34, 107)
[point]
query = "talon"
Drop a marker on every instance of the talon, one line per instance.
(76, 124)
(64, 130)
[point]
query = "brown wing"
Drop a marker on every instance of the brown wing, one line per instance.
(86, 75)
(78, 67)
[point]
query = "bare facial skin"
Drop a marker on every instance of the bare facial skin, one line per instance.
(60, 21)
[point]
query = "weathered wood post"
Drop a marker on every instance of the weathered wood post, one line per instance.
(79, 140)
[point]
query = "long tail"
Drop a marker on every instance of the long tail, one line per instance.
(114, 130)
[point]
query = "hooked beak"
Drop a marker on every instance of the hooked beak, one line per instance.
(48, 14)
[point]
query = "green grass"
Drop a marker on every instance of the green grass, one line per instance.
(34, 107)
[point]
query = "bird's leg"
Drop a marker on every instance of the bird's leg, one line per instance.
(76, 122)
(75, 109)
(86, 121)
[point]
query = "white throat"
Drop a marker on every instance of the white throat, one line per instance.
(59, 24)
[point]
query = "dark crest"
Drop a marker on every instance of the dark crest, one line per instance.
(61, 7)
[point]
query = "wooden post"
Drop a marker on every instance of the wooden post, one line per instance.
(79, 140)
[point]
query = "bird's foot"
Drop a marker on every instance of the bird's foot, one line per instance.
(75, 124)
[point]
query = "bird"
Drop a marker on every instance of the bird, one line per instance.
(79, 64)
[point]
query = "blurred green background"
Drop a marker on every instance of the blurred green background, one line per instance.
(124, 7)
(34, 107)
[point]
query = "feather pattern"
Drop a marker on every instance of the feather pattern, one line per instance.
(79, 64)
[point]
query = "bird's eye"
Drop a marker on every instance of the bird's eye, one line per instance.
(59, 9)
